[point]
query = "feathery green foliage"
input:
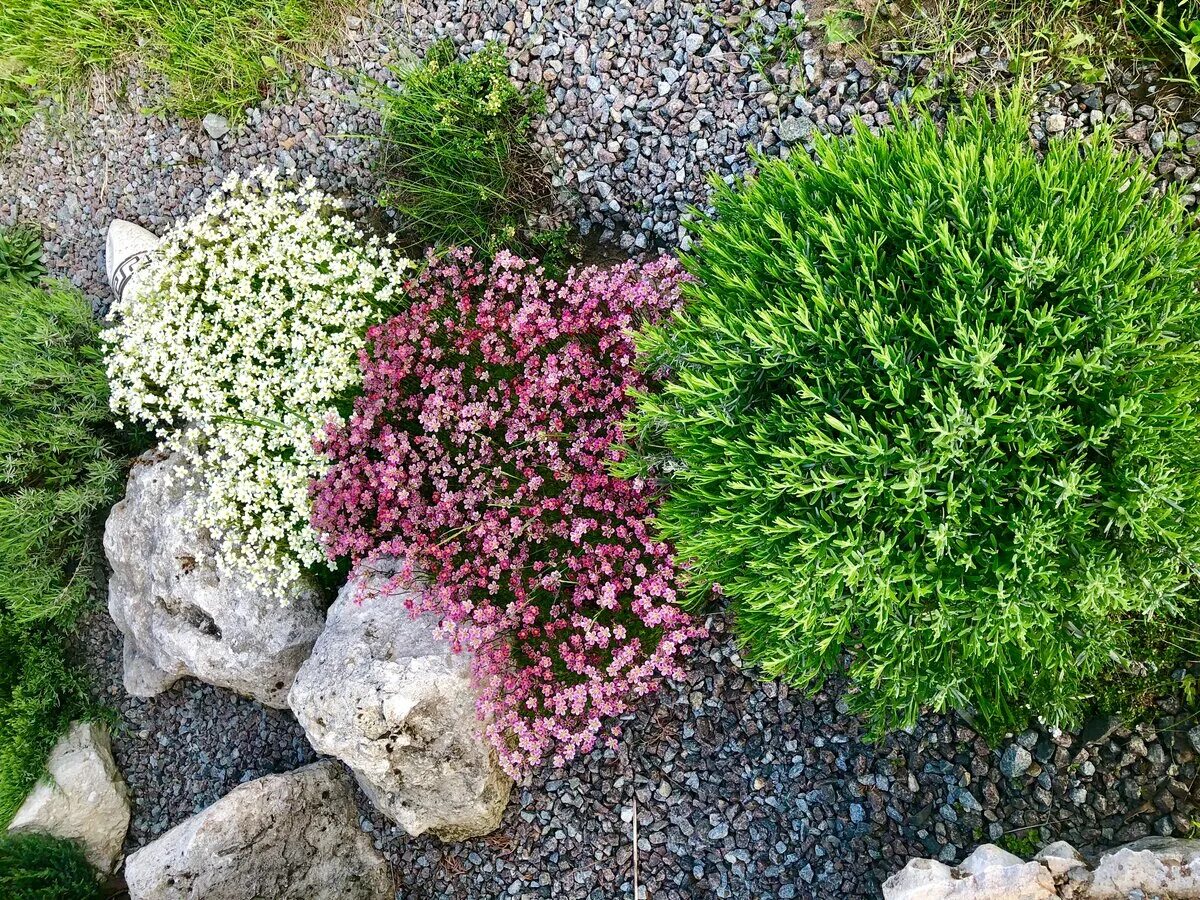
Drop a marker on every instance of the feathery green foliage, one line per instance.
(58, 475)
(38, 867)
(459, 157)
(934, 403)
(217, 56)
(21, 254)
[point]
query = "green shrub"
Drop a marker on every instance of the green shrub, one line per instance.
(460, 162)
(37, 867)
(934, 403)
(217, 56)
(58, 475)
(21, 254)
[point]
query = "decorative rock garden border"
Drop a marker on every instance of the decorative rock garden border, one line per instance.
(739, 787)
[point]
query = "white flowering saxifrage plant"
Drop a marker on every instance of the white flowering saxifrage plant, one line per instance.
(237, 350)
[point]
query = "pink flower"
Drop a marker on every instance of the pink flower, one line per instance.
(479, 452)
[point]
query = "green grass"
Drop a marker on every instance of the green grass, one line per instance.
(1174, 27)
(37, 867)
(216, 56)
(933, 405)
(59, 473)
(1073, 40)
(460, 162)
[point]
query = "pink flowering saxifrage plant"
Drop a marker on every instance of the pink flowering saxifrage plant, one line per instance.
(479, 455)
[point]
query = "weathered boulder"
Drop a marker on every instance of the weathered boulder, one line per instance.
(84, 799)
(282, 837)
(1163, 867)
(1151, 867)
(125, 250)
(179, 614)
(383, 692)
(990, 873)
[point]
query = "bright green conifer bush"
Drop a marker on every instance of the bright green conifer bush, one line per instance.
(58, 475)
(37, 867)
(934, 403)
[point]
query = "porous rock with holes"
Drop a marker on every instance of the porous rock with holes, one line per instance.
(179, 613)
(282, 837)
(384, 692)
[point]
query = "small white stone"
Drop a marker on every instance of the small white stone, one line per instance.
(215, 126)
(125, 249)
(1059, 857)
(989, 856)
(920, 879)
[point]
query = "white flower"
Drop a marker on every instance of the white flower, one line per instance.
(245, 334)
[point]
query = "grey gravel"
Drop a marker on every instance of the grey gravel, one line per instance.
(769, 792)
(1015, 762)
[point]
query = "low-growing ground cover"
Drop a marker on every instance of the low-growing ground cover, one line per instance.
(216, 56)
(242, 344)
(477, 454)
(59, 473)
(933, 402)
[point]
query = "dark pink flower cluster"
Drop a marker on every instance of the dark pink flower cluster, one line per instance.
(478, 455)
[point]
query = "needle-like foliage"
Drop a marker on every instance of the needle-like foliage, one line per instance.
(58, 473)
(40, 867)
(933, 402)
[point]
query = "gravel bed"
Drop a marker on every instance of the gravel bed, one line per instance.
(644, 101)
(188, 747)
(743, 788)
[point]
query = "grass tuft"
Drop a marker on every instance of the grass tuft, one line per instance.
(460, 163)
(973, 41)
(216, 56)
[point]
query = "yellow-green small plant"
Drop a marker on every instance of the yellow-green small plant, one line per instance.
(460, 163)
